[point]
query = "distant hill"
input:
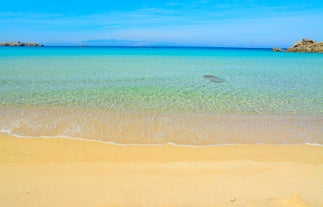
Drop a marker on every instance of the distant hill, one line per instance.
(115, 42)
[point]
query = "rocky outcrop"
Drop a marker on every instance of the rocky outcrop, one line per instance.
(306, 45)
(278, 49)
(21, 44)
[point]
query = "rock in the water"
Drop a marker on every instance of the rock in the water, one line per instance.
(213, 78)
(278, 49)
(306, 45)
(21, 44)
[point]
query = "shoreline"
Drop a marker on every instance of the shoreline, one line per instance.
(243, 151)
(153, 128)
(4, 133)
(64, 172)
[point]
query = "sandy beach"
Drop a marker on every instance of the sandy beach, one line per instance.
(61, 172)
(161, 103)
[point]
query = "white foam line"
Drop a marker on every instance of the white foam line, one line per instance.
(313, 143)
(9, 132)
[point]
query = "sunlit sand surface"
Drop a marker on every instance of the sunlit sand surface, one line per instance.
(60, 172)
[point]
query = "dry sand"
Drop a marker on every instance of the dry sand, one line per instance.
(60, 172)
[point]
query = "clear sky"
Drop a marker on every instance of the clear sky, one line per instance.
(245, 23)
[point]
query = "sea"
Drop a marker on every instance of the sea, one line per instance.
(162, 95)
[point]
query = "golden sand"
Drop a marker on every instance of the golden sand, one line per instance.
(61, 172)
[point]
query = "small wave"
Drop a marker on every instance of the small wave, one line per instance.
(9, 132)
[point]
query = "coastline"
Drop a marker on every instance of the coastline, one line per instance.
(9, 134)
(154, 128)
(63, 172)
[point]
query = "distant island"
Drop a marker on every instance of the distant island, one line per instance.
(305, 45)
(21, 44)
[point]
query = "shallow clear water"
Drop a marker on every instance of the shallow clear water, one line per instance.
(161, 81)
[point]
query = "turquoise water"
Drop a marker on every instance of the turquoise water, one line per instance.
(163, 79)
(161, 95)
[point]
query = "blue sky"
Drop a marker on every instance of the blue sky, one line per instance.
(246, 23)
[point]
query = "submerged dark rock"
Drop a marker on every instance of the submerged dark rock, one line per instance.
(213, 78)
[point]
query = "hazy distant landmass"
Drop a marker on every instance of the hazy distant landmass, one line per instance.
(116, 42)
(112, 43)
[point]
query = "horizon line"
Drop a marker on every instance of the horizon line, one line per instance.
(147, 46)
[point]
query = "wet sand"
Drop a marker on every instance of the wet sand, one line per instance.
(161, 128)
(61, 172)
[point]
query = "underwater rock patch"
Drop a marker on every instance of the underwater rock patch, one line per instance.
(214, 79)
